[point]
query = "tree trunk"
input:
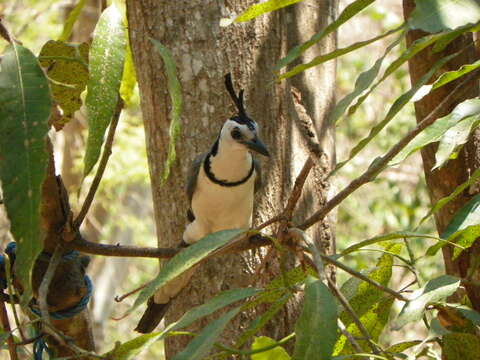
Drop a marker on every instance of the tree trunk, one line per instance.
(441, 182)
(204, 52)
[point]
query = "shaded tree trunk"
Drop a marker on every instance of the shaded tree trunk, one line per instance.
(204, 52)
(441, 182)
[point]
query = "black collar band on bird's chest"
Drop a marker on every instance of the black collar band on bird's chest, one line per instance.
(214, 179)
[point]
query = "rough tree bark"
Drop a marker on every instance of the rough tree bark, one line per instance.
(441, 182)
(204, 52)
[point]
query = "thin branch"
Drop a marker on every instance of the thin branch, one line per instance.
(270, 222)
(6, 327)
(124, 296)
(359, 275)
(45, 284)
(4, 32)
(11, 294)
(107, 151)
(297, 188)
(380, 163)
(349, 336)
(354, 316)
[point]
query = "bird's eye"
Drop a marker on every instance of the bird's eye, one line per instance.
(236, 134)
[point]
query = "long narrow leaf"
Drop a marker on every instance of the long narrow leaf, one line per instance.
(316, 328)
(350, 11)
(203, 342)
(107, 56)
(184, 261)
(362, 83)
(175, 91)
(387, 237)
(262, 8)
(130, 349)
(434, 132)
(334, 54)
(25, 107)
(71, 20)
(129, 78)
(453, 139)
(394, 110)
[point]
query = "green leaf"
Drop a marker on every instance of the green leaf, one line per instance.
(107, 56)
(433, 291)
(203, 342)
(463, 228)
(72, 18)
(458, 190)
(67, 65)
(387, 237)
(350, 11)
(129, 78)
(25, 107)
(454, 138)
(334, 54)
(450, 76)
(257, 324)
(277, 353)
(437, 15)
(461, 346)
(175, 91)
(362, 83)
(397, 106)
(402, 346)
(316, 328)
(132, 348)
(184, 260)
(262, 8)
(434, 132)
(415, 48)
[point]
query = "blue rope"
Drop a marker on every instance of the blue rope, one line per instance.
(40, 345)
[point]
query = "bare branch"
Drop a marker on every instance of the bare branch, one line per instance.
(107, 151)
(380, 163)
(6, 327)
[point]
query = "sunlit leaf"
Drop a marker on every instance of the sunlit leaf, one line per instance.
(107, 55)
(362, 83)
(262, 8)
(350, 11)
(454, 138)
(334, 54)
(434, 132)
(184, 260)
(397, 106)
(71, 20)
(434, 290)
(387, 237)
(25, 107)
(462, 228)
(461, 346)
(402, 346)
(67, 65)
(437, 15)
(129, 78)
(175, 91)
(130, 349)
(316, 328)
(203, 342)
(277, 353)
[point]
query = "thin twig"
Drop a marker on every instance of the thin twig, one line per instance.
(11, 294)
(6, 327)
(124, 296)
(380, 163)
(338, 294)
(270, 222)
(29, 341)
(297, 188)
(45, 284)
(359, 275)
(107, 151)
(4, 32)
(349, 336)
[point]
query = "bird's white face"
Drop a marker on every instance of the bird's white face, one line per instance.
(242, 135)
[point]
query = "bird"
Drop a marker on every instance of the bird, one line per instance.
(220, 187)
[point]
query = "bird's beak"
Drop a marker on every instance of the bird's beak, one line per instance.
(257, 145)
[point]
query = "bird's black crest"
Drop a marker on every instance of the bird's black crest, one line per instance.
(242, 117)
